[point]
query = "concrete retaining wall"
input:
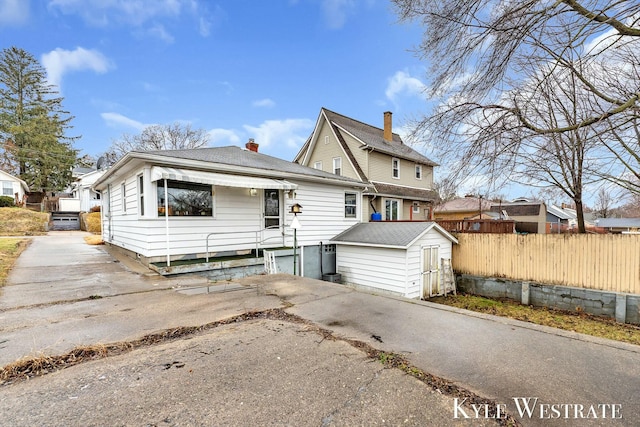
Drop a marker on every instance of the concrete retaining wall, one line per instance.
(622, 307)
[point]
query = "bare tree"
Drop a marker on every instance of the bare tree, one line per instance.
(174, 136)
(603, 203)
(518, 51)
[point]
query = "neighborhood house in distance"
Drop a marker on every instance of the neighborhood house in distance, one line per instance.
(399, 179)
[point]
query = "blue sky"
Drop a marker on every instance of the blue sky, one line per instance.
(239, 69)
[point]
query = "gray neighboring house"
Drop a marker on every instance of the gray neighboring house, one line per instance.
(400, 258)
(619, 225)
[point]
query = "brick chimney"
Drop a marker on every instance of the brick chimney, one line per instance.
(388, 134)
(252, 146)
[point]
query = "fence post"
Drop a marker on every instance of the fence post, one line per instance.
(525, 293)
(621, 308)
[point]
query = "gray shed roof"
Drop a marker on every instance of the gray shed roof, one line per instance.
(395, 234)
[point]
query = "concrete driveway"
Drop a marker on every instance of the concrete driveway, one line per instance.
(64, 293)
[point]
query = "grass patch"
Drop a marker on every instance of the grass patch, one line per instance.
(22, 222)
(93, 222)
(10, 250)
(570, 321)
(94, 240)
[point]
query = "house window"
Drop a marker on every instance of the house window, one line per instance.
(185, 199)
(317, 165)
(392, 209)
(271, 208)
(337, 165)
(141, 195)
(326, 139)
(418, 171)
(123, 197)
(416, 207)
(350, 205)
(7, 188)
(395, 168)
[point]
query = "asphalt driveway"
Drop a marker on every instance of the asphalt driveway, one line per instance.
(63, 293)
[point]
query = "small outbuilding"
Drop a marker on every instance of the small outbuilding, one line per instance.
(410, 259)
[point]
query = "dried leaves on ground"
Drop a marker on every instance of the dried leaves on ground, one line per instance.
(577, 321)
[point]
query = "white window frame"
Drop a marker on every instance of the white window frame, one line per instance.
(326, 139)
(355, 206)
(123, 197)
(415, 207)
(318, 165)
(395, 168)
(337, 161)
(419, 172)
(398, 210)
(9, 187)
(140, 185)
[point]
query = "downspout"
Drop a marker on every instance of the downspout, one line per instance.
(166, 220)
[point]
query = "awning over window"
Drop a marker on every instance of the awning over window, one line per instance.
(224, 180)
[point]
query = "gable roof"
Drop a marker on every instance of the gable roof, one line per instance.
(23, 184)
(232, 160)
(371, 137)
(560, 213)
(388, 234)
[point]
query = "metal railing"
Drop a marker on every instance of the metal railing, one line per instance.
(259, 238)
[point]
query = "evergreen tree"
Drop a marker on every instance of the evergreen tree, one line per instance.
(33, 144)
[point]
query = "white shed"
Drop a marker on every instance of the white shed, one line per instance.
(401, 258)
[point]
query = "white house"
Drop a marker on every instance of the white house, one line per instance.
(82, 191)
(168, 205)
(13, 187)
(400, 258)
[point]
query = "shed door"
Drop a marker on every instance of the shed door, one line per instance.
(430, 271)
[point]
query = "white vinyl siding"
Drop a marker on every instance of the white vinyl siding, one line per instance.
(378, 268)
(238, 221)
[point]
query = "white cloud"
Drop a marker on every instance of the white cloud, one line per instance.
(158, 31)
(336, 12)
(403, 83)
(118, 121)
(223, 136)
(281, 132)
(59, 61)
(145, 15)
(101, 13)
(266, 102)
(13, 12)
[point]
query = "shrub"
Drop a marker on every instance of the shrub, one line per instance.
(95, 209)
(93, 222)
(7, 202)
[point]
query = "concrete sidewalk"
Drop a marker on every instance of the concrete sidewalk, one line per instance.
(494, 357)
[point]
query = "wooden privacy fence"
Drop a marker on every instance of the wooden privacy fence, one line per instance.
(609, 262)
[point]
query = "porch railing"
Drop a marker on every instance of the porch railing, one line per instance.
(258, 238)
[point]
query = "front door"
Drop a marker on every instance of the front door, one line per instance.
(272, 218)
(430, 271)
